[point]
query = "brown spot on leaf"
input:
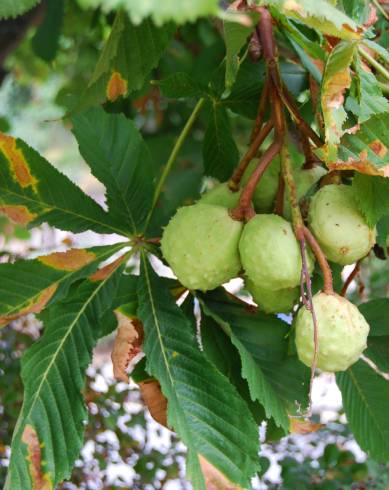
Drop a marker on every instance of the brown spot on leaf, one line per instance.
(36, 305)
(19, 166)
(379, 148)
(155, 400)
(128, 344)
(106, 271)
(298, 426)
(71, 260)
(116, 87)
(214, 479)
(361, 164)
(18, 214)
(39, 479)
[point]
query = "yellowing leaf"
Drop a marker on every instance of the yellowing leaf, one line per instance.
(128, 343)
(336, 79)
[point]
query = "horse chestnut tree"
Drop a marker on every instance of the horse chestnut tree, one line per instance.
(244, 141)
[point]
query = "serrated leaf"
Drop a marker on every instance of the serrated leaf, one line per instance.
(220, 153)
(126, 293)
(49, 431)
(28, 286)
(319, 14)
(365, 397)
(366, 150)
(33, 192)
(277, 381)
(358, 10)
(180, 85)
(203, 407)
(160, 12)
(13, 8)
(372, 195)
(235, 37)
(46, 38)
(129, 55)
(336, 79)
(376, 314)
(118, 156)
(367, 100)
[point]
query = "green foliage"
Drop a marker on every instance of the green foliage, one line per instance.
(128, 57)
(27, 180)
(13, 8)
(219, 149)
(46, 39)
(187, 11)
(172, 357)
(262, 345)
(53, 374)
(365, 395)
(120, 159)
(372, 195)
(169, 107)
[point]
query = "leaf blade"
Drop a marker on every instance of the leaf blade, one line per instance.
(194, 389)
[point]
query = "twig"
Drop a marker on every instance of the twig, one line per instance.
(350, 278)
(322, 261)
(244, 208)
(298, 226)
(302, 126)
(263, 100)
(380, 68)
(279, 207)
(249, 155)
(173, 155)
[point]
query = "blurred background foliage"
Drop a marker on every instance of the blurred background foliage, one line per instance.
(40, 82)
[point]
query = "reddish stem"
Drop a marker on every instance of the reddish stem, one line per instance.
(350, 278)
(302, 126)
(249, 155)
(321, 258)
(279, 207)
(244, 208)
(305, 277)
(263, 100)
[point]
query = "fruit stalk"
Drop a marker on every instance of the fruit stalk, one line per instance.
(350, 278)
(322, 261)
(261, 109)
(249, 155)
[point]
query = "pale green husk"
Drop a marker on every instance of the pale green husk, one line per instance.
(281, 301)
(270, 253)
(342, 333)
(338, 226)
(200, 244)
(221, 195)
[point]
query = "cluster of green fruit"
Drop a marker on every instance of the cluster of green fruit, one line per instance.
(206, 247)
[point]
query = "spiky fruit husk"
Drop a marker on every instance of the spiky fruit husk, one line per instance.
(270, 253)
(221, 195)
(338, 226)
(304, 180)
(342, 333)
(281, 301)
(266, 190)
(200, 244)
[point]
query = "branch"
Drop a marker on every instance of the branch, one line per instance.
(249, 155)
(244, 208)
(261, 109)
(322, 261)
